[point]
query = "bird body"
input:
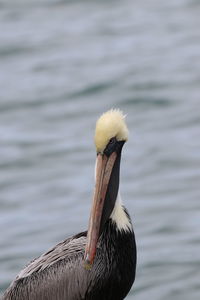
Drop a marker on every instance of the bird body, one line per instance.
(93, 265)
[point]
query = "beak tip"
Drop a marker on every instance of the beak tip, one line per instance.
(87, 264)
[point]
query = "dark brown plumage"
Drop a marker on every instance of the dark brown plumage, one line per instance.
(59, 274)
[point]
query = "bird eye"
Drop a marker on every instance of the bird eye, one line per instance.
(112, 141)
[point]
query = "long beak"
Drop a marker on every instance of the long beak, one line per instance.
(104, 166)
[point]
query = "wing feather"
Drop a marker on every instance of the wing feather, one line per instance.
(57, 274)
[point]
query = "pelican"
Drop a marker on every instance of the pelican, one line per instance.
(98, 264)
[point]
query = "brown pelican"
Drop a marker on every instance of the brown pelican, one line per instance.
(98, 264)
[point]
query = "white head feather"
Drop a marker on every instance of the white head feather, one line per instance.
(110, 124)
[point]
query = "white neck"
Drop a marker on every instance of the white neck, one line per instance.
(119, 217)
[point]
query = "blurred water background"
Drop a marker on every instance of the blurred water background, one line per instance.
(63, 63)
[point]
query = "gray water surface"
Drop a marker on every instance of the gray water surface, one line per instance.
(63, 63)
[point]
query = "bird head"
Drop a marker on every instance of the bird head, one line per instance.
(110, 135)
(110, 127)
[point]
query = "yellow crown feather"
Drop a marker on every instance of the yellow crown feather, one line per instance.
(110, 124)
